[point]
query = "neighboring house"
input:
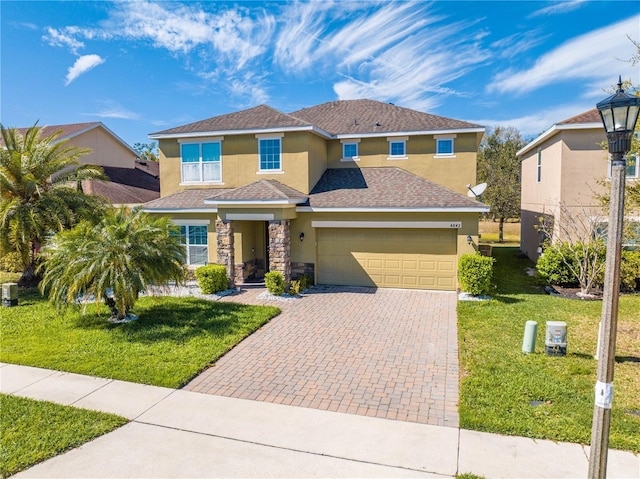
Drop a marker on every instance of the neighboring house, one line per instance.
(560, 173)
(131, 181)
(352, 192)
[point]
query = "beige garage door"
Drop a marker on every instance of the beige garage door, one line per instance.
(388, 258)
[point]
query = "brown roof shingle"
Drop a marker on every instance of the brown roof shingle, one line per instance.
(591, 116)
(370, 116)
(387, 187)
(262, 190)
(184, 200)
(259, 117)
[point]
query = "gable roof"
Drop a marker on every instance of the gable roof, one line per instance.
(588, 120)
(71, 130)
(262, 191)
(261, 118)
(385, 188)
(333, 119)
(365, 117)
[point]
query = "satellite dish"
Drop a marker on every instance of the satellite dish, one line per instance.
(476, 191)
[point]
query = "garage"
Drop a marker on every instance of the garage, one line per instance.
(387, 258)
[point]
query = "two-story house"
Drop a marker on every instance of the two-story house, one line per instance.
(353, 192)
(561, 170)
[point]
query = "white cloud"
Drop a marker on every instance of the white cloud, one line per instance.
(117, 112)
(518, 43)
(82, 65)
(594, 56)
(558, 7)
(63, 38)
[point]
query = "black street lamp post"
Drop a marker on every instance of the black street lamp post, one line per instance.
(619, 114)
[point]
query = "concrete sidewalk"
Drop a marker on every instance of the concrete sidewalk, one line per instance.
(178, 433)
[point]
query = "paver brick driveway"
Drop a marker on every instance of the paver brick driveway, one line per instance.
(376, 352)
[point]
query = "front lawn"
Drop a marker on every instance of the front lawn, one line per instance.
(174, 339)
(503, 390)
(33, 431)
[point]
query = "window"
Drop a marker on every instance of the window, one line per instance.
(397, 148)
(539, 167)
(201, 162)
(270, 154)
(194, 239)
(444, 146)
(349, 151)
(632, 167)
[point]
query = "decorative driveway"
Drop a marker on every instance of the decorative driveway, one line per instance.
(384, 353)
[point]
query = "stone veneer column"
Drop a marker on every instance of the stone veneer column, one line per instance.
(280, 248)
(224, 235)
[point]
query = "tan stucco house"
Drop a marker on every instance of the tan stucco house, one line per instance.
(560, 173)
(131, 181)
(354, 192)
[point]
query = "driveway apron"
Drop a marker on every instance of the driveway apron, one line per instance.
(384, 353)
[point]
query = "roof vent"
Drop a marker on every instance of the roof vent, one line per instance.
(378, 123)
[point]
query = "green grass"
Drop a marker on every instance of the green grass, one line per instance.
(174, 339)
(33, 431)
(498, 381)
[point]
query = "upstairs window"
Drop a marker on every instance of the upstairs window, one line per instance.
(444, 146)
(349, 151)
(397, 148)
(270, 152)
(201, 162)
(539, 167)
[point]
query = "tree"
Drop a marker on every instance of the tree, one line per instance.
(575, 239)
(113, 261)
(147, 151)
(499, 167)
(40, 192)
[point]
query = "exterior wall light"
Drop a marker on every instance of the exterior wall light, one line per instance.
(469, 239)
(619, 114)
(301, 236)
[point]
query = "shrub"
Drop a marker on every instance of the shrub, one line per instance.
(475, 272)
(630, 271)
(274, 280)
(212, 278)
(554, 267)
(300, 284)
(571, 264)
(11, 262)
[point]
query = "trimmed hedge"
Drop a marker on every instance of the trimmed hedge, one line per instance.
(274, 281)
(475, 272)
(212, 278)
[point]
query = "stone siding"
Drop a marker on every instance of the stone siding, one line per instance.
(280, 247)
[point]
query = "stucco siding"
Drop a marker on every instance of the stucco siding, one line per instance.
(105, 150)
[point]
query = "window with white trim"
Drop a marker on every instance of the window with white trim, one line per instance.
(632, 167)
(539, 167)
(201, 162)
(444, 147)
(270, 154)
(349, 151)
(397, 148)
(194, 239)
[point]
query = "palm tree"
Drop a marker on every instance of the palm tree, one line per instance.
(40, 191)
(113, 261)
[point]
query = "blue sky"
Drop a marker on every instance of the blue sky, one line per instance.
(141, 66)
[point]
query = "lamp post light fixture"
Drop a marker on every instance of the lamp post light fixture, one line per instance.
(619, 114)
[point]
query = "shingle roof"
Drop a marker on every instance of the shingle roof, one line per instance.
(369, 116)
(262, 190)
(125, 186)
(259, 117)
(591, 116)
(67, 130)
(184, 200)
(388, 187)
